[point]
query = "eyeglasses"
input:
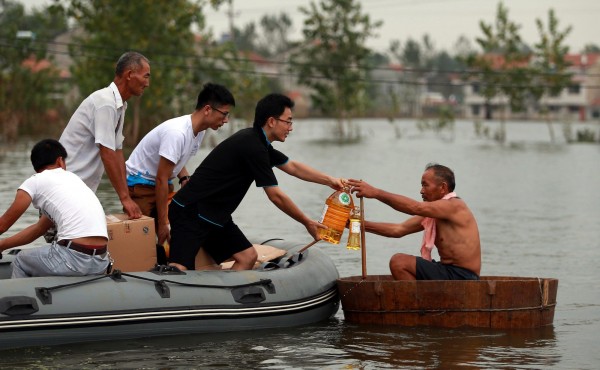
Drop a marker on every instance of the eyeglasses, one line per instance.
(225, 114)
(289, 123)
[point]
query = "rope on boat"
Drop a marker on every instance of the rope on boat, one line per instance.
(45, 296)
(260, 282)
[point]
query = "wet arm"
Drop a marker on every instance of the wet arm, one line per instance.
(114, 164)
(284, 203)
(307, 173)
(395, 230)
(165, 169)
(27, 235)
(15, 211)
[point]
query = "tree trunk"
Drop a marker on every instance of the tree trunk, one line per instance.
(10, 126)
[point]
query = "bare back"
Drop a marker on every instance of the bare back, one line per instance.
(457, 237)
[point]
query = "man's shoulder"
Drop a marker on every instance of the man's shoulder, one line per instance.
(103, 96)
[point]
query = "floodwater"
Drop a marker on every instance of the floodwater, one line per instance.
(538, 211)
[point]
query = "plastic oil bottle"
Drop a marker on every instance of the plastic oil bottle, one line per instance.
(336, 213)
(354, 230)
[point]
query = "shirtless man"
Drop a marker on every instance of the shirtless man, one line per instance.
(448, 224)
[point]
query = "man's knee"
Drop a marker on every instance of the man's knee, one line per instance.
(403, 266)
(400, 261)
(246, 258)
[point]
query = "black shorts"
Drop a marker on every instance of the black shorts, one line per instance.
(432, 270)
(189, 232)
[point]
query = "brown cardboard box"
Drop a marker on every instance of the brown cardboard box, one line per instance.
(131, 243)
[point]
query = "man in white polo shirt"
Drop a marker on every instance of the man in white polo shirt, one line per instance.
(162, 154)
(94, 135)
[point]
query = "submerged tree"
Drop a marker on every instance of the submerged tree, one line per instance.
(162, 31)
(550, 65)
(503, 70)
(333, 59)
(27, 78)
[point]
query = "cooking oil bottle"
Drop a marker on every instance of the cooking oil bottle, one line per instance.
(354, 230)
(335, 215)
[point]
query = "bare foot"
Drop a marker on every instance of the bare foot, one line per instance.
(180, 267)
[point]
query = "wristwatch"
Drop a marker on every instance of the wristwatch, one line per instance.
(183, 178)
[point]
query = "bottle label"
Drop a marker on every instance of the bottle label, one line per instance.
(355, 226)
(323, 214)
(344, 198)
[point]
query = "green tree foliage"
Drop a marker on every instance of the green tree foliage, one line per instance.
(161, 30)
(269, 39)
(233, 68)
(27, 79)
(591, 48)
(276, 29)
(503, 66)
(332, 60)
(550, 64)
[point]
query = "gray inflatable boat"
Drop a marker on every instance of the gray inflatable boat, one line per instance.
(296, 289)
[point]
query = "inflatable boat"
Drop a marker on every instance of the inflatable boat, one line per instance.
(294, 289)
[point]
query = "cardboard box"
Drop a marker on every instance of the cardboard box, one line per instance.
(131, 243)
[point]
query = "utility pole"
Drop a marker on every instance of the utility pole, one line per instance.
(230, 16)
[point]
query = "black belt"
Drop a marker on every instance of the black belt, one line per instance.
(87, 249)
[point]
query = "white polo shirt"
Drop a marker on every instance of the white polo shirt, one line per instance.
(97, 121)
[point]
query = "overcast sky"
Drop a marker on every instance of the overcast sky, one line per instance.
(444, 20)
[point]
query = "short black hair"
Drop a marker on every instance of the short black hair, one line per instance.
(443, 173)
(131, 59)
(45, 153)
(214, 95)
(271, 105)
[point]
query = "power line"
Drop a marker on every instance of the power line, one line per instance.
(292, 63)
(205, 68)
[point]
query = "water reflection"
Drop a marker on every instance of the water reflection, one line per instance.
(429, 348)
(330, 345)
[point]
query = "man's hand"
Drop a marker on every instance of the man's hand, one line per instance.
(338, 183)
(313, 228)
(362, 189)
(131, 208)
(164, 233)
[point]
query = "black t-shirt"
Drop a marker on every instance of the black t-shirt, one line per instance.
(219, 184)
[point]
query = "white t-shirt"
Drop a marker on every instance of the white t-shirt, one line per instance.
(97, 121)
(66, 200)
(173, 139)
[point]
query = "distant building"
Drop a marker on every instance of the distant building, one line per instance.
(580, 101)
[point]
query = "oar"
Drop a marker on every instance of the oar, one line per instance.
(363, 250)
(309, 245)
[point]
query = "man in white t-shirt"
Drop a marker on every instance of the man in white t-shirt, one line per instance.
(94, 135)
(162, 154)
(64, 200)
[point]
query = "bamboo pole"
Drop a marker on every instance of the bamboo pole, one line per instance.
(363, 249)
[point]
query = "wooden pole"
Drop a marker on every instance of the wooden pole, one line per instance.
(363, 249)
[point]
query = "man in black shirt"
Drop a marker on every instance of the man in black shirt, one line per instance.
(200, 213)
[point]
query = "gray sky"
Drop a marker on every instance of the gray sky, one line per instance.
(444, 20)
